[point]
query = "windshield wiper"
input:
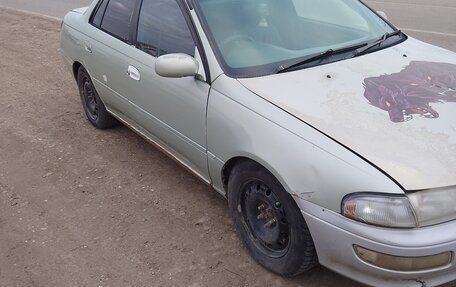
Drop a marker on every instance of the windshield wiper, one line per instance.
(359, 50)
(369, 46)
(319, 57)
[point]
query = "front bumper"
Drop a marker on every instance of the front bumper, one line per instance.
(334, 237)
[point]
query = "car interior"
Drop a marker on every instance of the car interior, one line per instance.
(269, 29)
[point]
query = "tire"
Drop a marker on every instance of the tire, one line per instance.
(94, 108)
(269, 222)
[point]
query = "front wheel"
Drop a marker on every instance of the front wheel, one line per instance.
(269, 222)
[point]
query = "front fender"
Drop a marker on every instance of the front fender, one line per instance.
(308, 164)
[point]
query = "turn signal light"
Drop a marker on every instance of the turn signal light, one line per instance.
(399, 263)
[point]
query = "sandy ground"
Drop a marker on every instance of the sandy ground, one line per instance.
(55, 8)
(83, 207)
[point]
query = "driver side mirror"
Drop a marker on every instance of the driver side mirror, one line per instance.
(383, 14)
(176, 66)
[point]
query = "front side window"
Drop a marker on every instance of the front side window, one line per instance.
(162, 29)
(117, 18)
(259, 37)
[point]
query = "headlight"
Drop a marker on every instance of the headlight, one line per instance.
(434, 206)
(382, 210)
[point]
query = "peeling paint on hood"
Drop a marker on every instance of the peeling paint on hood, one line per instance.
(418, 151)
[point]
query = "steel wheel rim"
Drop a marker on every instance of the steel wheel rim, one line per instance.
(265, 219)
(89, 98)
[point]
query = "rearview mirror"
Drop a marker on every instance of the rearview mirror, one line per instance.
(176, 66)
(383, 14)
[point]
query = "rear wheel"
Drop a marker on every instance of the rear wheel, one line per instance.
(94, 108)
(269, 222)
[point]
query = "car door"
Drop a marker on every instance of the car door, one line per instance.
(107, 47)
(173, 110)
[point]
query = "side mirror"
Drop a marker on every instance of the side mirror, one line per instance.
(176, 66)
(383, 14)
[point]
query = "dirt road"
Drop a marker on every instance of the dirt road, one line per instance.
(55, 8)
(83, 207)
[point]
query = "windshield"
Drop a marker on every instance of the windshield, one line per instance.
(254, 37)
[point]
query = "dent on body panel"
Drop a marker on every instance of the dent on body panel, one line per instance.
(235, 131)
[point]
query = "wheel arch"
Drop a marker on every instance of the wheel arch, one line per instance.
(228, 167)
(75, 68)
(236, 160)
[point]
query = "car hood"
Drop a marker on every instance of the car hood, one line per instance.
(395, 107)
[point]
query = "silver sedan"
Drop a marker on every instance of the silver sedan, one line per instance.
(331, 133)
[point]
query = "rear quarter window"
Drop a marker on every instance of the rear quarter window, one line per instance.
(117, 18)
(99, 12)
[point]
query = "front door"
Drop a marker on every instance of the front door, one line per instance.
(172, 110)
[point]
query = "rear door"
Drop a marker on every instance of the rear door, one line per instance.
(107, 51)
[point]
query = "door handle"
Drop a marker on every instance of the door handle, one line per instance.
(133, 73)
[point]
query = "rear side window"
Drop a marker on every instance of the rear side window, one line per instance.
(162, 29)
(117, 18)
(98, 16)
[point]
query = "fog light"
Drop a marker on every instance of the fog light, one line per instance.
(398, 263)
